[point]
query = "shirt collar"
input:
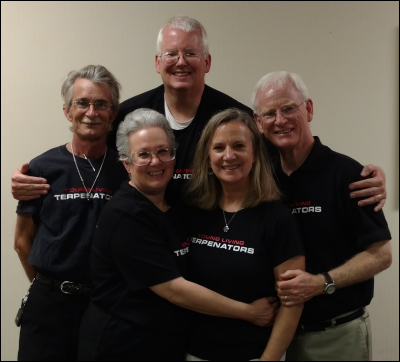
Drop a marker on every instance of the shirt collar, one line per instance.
(314, 161)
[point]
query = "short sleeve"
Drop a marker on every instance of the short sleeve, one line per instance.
(141, 252)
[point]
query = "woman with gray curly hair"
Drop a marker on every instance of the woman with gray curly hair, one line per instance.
(139, 258)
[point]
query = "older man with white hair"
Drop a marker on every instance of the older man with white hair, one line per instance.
(346, 245)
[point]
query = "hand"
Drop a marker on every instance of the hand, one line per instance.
(264, 311)
(27, 187)
(374, 187)
(297, 286)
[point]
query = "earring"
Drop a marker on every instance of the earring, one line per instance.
(210, 170)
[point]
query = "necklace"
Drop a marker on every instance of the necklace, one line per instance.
(226, 228)
(88, 193)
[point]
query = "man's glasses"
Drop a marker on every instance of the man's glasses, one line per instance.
(286, 111)
(172, 56)
(99, 105)
(143, 158)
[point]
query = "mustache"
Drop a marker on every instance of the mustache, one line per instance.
(91, 121)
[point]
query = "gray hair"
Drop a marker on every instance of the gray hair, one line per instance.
(280, 79)
(135, 121)
(96, 74)
(187, 25)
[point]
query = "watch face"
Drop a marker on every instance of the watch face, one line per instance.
(330, 289)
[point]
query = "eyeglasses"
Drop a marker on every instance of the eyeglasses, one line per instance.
(99, 105)
(285, 112)
(172, 56)
(143, 158)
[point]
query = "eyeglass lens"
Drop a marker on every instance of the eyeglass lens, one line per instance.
(143, 158)
(171, 56)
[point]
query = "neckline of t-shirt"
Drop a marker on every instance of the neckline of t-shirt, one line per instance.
(175, 125)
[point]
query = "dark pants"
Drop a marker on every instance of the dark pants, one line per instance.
(106, 338)
(50, 324)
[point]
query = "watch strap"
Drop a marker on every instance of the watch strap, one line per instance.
(327, 278)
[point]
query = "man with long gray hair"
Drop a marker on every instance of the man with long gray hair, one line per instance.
(54, 233)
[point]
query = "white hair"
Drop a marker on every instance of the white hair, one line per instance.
(279, 79)
(135, 121)
(187, 25)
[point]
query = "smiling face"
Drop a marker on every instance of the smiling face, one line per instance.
(91, 124)
(153, 178)
(183, 75)
(231, 154)
(292, 130)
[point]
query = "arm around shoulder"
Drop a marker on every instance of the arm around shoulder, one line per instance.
(25, 187)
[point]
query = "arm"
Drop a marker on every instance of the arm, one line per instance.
(287, 319)
(25, 231)
(27, 187)
(192, 296)
(374, 188)
(300, 286)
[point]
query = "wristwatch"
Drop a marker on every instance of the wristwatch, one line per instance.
(330, 285)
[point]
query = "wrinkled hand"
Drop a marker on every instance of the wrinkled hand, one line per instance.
(264, 311)
(27, 187)
(297, 286)
(374, 187)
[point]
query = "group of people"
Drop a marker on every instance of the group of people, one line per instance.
(194, 255)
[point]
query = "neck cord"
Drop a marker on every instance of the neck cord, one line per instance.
(87, 192)
(226, 228)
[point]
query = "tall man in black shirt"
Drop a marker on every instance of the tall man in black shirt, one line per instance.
(182, 60)
(54, 233)
(346, 245)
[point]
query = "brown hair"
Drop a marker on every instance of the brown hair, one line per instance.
(204, 190)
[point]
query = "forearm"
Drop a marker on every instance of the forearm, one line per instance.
(29, 270)
(282, 333)
(25, 231)
(202, 300)
(364, 265)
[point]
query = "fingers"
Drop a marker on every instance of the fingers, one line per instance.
(372, 191)
(380, 205)
(379, 199)
(368, 183)
(272, 300)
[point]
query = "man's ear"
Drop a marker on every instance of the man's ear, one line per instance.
(259, 123)
(157, 63)
(310, 110)
(208, 63)
(66, 113)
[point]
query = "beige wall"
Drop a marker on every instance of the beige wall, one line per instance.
(346, 52)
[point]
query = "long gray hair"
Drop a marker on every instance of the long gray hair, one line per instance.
(135, 121)
(95, 73)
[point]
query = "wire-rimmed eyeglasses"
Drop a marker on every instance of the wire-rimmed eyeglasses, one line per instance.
(286, 111)
(143, 158)
(98, 105)
(170, 57)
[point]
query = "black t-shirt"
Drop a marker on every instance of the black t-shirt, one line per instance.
(135, 247)
(239, 265)
(65, 218)
(334, 228)
(212, 101)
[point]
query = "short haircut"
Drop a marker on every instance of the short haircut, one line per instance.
(96, 74)
(187, 25)
(279, 79)
(135, 121)
(205, 190)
